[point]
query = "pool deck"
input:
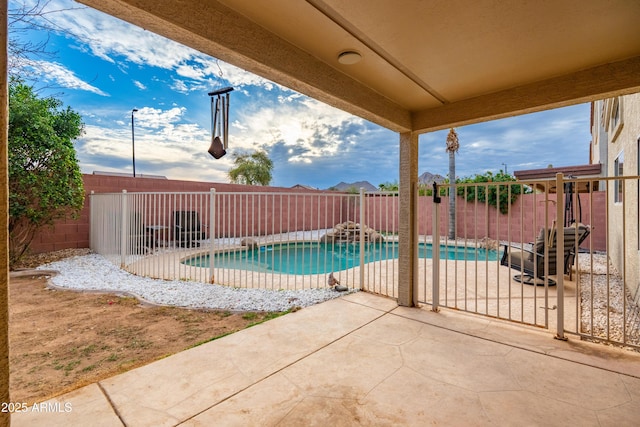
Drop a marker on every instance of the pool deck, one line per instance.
(485, 287)
(168, 263)
(363, 360)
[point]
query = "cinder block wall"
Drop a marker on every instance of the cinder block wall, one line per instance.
(72, 233)
(480, 221)
(477, 220)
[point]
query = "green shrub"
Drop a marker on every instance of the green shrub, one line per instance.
(499, 196)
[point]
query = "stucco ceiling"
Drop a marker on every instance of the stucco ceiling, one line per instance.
(425, 65)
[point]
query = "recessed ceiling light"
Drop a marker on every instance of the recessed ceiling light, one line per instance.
(349, 57)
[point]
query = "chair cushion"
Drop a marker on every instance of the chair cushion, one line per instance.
(521, 262)
(538, 246)
(569, 243)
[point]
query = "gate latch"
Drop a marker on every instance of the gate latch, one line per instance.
(436, 196)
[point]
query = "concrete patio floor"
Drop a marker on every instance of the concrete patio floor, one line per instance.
(362, 360)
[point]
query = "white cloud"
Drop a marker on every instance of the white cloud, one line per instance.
(559, 137)
(140, 85)
(179, 86)
(189, 72)
(155, 118)
(237, 125)
(312, 129)
(118, 42)
(302, 132)
(60, 75)
(163, 146)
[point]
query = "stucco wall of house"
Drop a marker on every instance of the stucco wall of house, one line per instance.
(623, 141)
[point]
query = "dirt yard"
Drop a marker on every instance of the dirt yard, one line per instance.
(63, 340)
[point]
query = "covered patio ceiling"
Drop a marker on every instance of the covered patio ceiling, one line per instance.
(423, 65)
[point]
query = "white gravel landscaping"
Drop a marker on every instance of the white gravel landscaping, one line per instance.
(610, 307)
(95, 273)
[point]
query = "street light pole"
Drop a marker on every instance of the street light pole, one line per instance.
(133, 142)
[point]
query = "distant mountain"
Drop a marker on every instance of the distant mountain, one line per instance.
(345, 186)
(428, 178)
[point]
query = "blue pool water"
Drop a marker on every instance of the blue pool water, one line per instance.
(320, 258)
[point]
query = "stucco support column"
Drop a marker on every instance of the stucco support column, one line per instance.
(4, 219)
(408, 237)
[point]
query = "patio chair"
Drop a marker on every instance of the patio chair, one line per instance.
(187, 228)
(532, 262)
(138, 237)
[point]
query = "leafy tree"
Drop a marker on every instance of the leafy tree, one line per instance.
(423, 189)
(499, 196)
(251, 169)
(427, 189)
(45, 183)
(389, 186)
(353, 190)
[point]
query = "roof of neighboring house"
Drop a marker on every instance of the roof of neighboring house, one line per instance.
(138, 175)
(546, 173)
(304, 187)
(346, 186)
(549, 174)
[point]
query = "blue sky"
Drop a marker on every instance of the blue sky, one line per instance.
(104, 67)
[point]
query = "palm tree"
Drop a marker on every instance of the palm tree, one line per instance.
(452, 147)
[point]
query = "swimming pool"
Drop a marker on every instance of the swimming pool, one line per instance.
(320, 258)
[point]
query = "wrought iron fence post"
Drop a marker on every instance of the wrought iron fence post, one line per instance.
(212, 218)
(92, 221)
(435, 249)
(362, 238)
(560, 256)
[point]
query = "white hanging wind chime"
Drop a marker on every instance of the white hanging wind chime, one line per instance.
(219, 122)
